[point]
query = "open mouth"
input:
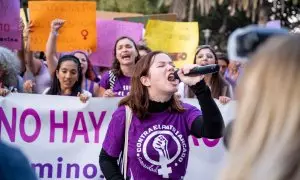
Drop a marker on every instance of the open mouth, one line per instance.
(171, 77)
(125, 56)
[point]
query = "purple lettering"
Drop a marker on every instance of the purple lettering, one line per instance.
(54, 125)
(59, 167)
(210, 143)
(34, 136)
(69, 166)
(77, 132)
(207, 142)
(97, 125)
(42, 169)
(11, 130)
(85, 171)
(195, 141)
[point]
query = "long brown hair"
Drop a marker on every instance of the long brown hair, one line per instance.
(138, 98)
(264, 143)
(217, 81)
(116, 66)
(90, 74)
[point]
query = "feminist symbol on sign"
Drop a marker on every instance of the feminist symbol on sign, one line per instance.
(84, 33)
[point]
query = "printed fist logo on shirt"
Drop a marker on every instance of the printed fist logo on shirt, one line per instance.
(160, 144)
(160, 149)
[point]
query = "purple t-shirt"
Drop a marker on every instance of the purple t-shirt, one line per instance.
(120, 85)
(158, 145)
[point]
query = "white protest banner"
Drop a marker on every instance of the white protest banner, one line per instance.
(62, 137)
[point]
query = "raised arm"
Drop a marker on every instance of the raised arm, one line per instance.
(34, 65)
(210, 124)
(20, 53)
(51, 55)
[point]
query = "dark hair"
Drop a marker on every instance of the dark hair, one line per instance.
(40, 55)
(217, 81)
(116, 69)
(89, 74)
(222, 56)
(138, 98)
(143, 48)
(55, 86)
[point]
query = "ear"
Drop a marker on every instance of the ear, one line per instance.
(145, 80)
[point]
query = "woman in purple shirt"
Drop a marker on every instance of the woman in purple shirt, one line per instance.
(116, 82)
(161, 124)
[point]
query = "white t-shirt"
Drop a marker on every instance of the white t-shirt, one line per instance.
(84, 92)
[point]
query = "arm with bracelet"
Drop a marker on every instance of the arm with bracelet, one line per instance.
(51, 55)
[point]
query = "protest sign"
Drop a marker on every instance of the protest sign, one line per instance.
(144, 19)
(111, 15)
(179, 39)
(10, 34)
(108, 31)
(274, 24)
(78, 32)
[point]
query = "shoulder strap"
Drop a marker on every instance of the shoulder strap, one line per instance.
(112, 79)
(125, 151)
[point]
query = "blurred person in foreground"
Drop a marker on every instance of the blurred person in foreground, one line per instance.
(264, 141)
(14, 165)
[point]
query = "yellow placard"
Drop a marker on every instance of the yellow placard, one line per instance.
(179, 39)
(78, 32)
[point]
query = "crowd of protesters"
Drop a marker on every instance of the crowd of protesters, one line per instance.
(261, 135)
(35, 72)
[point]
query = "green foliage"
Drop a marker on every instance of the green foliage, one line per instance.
(221, 23)
(134, 6)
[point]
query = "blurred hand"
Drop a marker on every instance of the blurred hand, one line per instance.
(56, 24)
(189, 80)
(4, 92)
(109, 93)
(28, 86)
(89, 52)
(224, 99)
(21, 25)
(28, 29)
(83, 97)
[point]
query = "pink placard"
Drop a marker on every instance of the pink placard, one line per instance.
(10, 35)
(108, 31)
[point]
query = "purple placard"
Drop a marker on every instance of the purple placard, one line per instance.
(274, 24)
(10, 35)
(108, 31)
